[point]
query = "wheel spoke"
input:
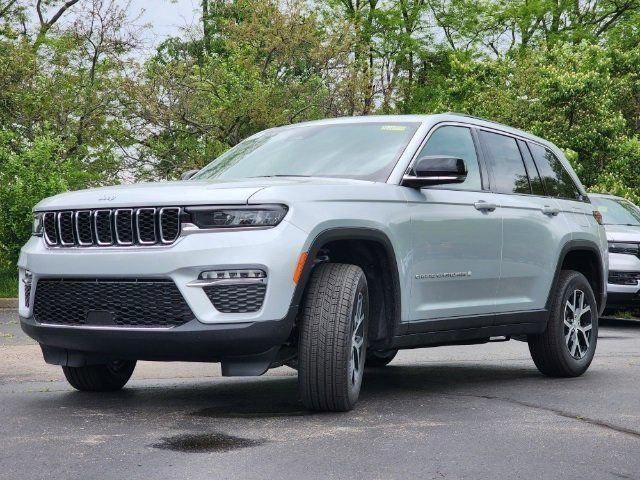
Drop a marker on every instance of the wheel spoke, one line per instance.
(567, 338)
(585, 337)
(575, 345)
(357, 339)
(587, 328)
(573, 348)
(571, 307)
(356, 359)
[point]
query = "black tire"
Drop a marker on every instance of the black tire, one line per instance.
(377, 359)
(329, 374)
(100, 378)
(562, 350)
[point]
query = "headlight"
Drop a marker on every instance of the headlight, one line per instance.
(628, 248)
(259, 216)
(38, 224)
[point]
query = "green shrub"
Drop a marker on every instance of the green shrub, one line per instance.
(29, 172)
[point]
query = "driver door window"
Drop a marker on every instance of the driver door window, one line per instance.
(453, 141)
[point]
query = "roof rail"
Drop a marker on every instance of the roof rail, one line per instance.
(474, 116)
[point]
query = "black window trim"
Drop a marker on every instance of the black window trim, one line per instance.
(486, 175)
(527, 141)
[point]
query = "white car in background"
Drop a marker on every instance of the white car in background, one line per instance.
(621, 220)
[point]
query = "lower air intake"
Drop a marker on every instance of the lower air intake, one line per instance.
(239, 298)
(110, 303)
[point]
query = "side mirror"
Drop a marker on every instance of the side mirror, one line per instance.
(436, 170)
(188, 174)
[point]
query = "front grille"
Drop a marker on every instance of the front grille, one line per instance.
(237, 298)
(116, 303)
(112, 227)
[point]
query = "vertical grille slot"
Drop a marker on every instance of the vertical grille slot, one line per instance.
(146, 226)
(124, 226)
(169, 224)
(102, 222)
(83, 228)
(50, 228)
(65, 227)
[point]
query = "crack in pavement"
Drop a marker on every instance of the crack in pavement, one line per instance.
(556, 411)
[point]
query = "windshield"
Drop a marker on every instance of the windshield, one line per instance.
(366, 151)
(617, 211)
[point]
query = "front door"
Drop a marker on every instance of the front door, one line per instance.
(456, 236)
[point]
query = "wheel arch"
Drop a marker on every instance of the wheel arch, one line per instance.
(373, 251)
(585, 257)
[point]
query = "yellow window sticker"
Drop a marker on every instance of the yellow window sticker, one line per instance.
(393, 128)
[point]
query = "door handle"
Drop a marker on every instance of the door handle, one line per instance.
(551, 211)
(485, 206)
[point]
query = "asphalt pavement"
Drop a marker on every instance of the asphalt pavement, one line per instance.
(472, 412)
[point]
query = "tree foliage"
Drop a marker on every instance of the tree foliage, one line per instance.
(82, 103)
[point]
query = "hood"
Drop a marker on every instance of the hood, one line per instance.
(622, 233)
(182, 193)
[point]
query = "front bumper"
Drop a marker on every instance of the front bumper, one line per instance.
(245, 343)
(620, 296)
(274, 250)
(243, 348)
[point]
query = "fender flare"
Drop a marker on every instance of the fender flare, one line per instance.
(581, 245)
(350, 233)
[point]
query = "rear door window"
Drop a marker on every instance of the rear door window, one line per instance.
(505, 161)
(557, 181)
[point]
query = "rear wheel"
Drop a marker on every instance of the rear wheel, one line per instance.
(378, 358)
(333, 338)
(100, 378)
(567, 347)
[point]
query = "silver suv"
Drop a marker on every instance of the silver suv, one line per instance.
(621, 220)
(324, 246)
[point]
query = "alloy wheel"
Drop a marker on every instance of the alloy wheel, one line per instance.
(578, 324)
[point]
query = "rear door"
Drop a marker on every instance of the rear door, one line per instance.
(532, 227)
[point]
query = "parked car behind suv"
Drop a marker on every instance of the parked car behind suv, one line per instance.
(325, 246)
(621, 220)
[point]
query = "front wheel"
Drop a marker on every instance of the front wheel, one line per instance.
(568, 345)
(100, 378)
(333, 338)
